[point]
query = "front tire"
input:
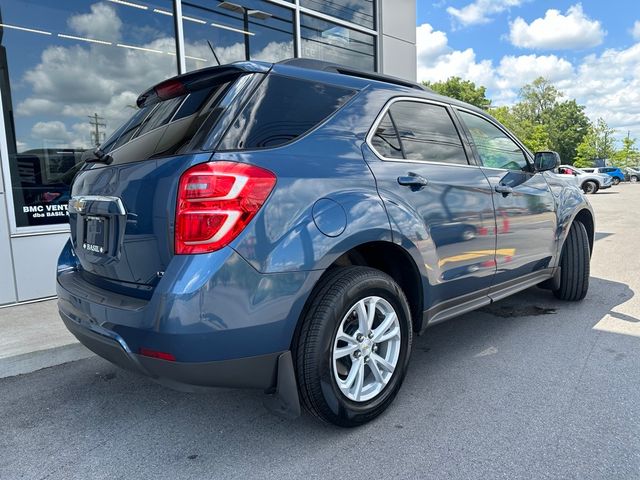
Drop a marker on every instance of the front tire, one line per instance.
(353, 346)
(574, 265)
(633, 179)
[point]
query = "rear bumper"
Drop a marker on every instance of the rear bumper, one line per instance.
(226, 324)
(251, 372)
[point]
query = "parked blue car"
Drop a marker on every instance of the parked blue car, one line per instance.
(289, 227)
(615, 173)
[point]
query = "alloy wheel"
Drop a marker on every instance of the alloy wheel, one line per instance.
(366, 349)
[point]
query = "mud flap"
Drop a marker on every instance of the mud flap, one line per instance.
(283, 400)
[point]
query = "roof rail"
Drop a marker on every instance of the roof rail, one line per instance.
(313, 64)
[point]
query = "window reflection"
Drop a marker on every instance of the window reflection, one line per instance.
(71, 75)
(496, 150)
(70, 72)
(247, 30)
(334, 43)
(360, 12)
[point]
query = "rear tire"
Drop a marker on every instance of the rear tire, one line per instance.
(616, 180)
(589, 187)
(323, 371)
(633, 179)
(574, 265)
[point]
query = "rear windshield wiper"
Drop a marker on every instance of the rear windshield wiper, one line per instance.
(97, 156)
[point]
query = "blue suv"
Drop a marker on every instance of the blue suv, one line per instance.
(614, 172)
(289, 227)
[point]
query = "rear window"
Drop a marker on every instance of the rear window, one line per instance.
(171, 126)
(281, 110)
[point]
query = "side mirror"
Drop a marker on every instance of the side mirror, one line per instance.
(544, 161)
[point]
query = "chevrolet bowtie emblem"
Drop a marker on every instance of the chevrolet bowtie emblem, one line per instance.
(78, 204)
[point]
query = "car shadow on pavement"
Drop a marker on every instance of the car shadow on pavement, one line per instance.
(92, 415)
(602, 235)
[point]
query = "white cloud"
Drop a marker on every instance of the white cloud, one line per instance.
(557, 31)
(608, 84)
(102, 23)
(458, 63)
(430, 43)
(437, 61)
(515, 71)
(47, 131)
(480, 11)
(37, 106)
(635, 31)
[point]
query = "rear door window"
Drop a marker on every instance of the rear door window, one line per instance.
(424, 132)
(281, 110)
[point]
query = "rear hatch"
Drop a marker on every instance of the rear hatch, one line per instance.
(123, 202)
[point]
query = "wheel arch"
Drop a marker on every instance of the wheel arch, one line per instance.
(387, 257)
(585, 216)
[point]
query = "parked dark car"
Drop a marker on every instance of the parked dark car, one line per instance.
(289, 227)
(632, 174)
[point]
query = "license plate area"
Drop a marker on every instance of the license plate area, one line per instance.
(96, 234)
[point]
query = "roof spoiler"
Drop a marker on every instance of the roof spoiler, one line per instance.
(189, 82)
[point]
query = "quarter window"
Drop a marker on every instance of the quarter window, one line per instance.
(425, 132)
(281, 110)
(495, 149)
(385, 140)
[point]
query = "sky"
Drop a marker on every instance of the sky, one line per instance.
(589, 50)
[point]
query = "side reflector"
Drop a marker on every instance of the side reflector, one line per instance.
(147, 352)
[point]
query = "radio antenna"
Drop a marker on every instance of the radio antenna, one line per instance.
(214, 52)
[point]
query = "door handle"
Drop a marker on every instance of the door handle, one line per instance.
(504, 189)
(413, 181)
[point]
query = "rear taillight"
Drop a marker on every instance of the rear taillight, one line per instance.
(216, 200)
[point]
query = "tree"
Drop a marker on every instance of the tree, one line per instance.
(598, 143)
(567, 126)
(534, 136)
(464, 90)
(546, 122)
(586, 151)
(538, 99)
(628, 155)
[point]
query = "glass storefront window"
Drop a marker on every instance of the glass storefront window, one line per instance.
(70, 73)
(328, 41)
(239, 30)
(360, 12)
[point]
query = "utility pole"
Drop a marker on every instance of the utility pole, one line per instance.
(96, 122)
(626, 147)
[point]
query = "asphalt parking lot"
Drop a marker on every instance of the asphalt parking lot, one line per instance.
(528, 388)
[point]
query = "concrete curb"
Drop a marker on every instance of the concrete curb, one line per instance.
(32, 361)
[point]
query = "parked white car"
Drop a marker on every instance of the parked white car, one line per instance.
(588, 182)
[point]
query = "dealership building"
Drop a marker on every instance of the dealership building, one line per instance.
(70, 73)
